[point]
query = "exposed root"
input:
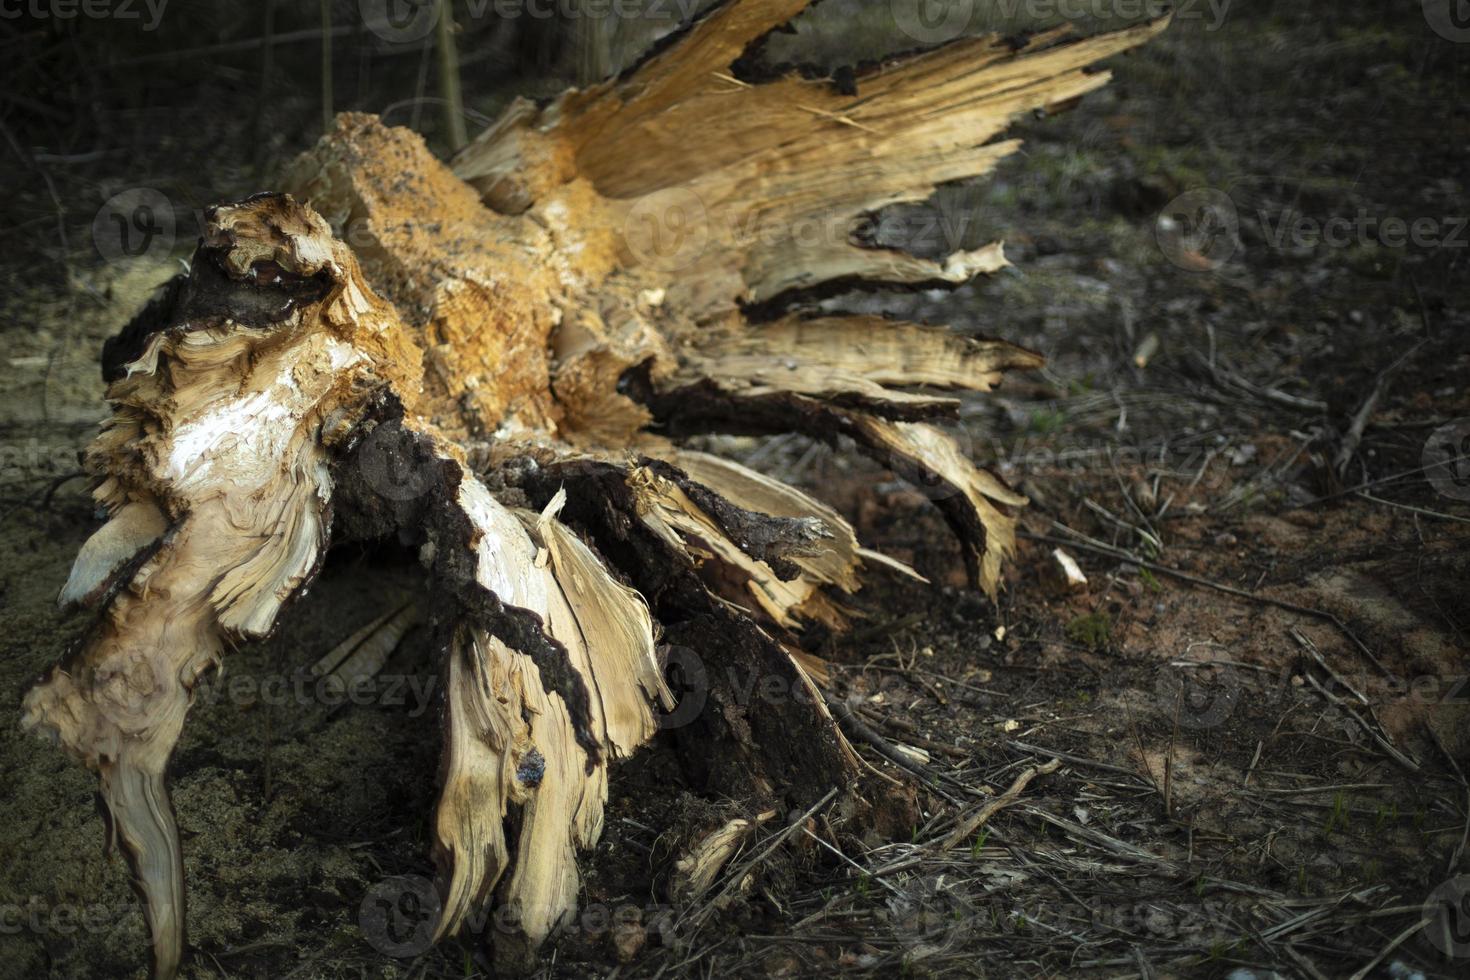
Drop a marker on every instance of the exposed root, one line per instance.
(220, 434)
(362, 655)
(334, 360)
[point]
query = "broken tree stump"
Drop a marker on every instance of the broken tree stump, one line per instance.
(494, 359)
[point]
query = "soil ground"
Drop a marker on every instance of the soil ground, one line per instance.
(1259, 701)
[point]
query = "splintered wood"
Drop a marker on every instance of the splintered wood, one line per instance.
(495, 360)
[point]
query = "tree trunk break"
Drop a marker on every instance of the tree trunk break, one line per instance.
(494, 358)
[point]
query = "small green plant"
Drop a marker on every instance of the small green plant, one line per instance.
(1094, 631)
(1150, 580)
(1387, 813)
(979, 844)
(1045, 421)
(1221, 948)
(1337, 816)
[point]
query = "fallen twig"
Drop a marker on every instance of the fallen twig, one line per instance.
(1393, 944)
(975, 821)
(1229, 380)
(1365, 411)
(860, 729)
(1421, 511)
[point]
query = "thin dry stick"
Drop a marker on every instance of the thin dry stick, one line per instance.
(975, 821)
(1380, 737)
(594, 36)
(1365, 411)
(326, 6)
(1394, 944)
(1250, 770)
(1460, 775)
(230, 47)
(267, 73)
(1306, 965)
(860, 729)
(449, 79)
(911, 735)
(1112, 844)
(1076, 760)
(1169, 759)
(1228, 380)
(1316, 655)
(1391, 478)
(857, 728)
(1422, 511)
(1142, 751)
(860, 869)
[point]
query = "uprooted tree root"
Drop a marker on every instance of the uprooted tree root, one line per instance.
(493, 362)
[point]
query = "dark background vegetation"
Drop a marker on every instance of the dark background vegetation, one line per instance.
(1197, 394)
